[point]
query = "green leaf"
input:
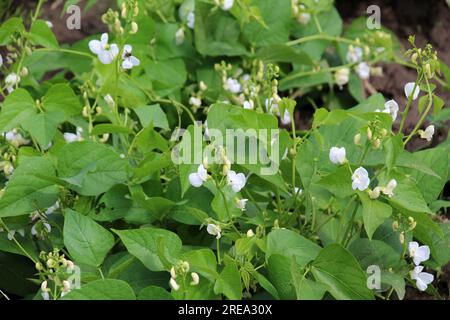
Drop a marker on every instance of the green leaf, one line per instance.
(107, 289)
(276, 30)
(87, 241)
(17, 107)
(289, 243)
(152, 113)
(8, 28)
(61, 98)
(155, 248)
(279, 273)
(283, 53)
(91, 168)
(229, 283)
(338, 269)
(202, 261)
(103, 128)
(31, 187)
(41, 34)
(167, 75)
(377, 253)
(438, 103)
(216, 32)
(154, 293)
(42, 126)
(374, 213)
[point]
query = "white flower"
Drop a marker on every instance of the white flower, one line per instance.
(419, 254)
(298, 191)
(105, 52)
(304, 18)
(250, 233)
(363, 70)
(360, 179)
(109, 100)
(232, 85)
(129, 61)
(286, 119)
(196, 179)
(214, 230)
(337, 155)
(227, 4)
(66, 288)
(190, 20)
(272, 105)
(428, 133)
(409, 87)
(237, 181)
(241, 203)
(1, 60)
(174, 285)
(45, 290)
(195, 279)
(15, 138)
(354, 54)
(391, 107)
(341, 76)
(389, 189)
(196, 102)
(248, 104)
(46, 226)
(72, 137)
(12, 233)
(179, 37)
(70, 266)
(49, 24)
(11, 81)
(423, 279)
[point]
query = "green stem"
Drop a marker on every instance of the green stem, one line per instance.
(422, 118)
(408, 104)
(17, 242)
(84, 54)
(321, 37)
(219, 262)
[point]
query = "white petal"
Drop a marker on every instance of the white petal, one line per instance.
(105, 57)
(195, 180)
(113, 50)
(95, 46)
(104, 39)
(135, 61)
(422, 254)
(409, 90)
(425, 277)
(202, 172)
(421, 285)
(127, 48)
(126, 64)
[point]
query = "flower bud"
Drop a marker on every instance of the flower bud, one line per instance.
(401, 237)
(357, 139)
(369, 134)
(395, 225)
(174, 285)
(85, 111)
(124, 10)
(134, 28)
(414, 58)
(23, 72)
(173, 273)
(185, 266)
(375, 193)
(203, 86)
(195, 279)
(250, 233)
(377, 144)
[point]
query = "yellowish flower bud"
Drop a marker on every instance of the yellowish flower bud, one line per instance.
(357, 139)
